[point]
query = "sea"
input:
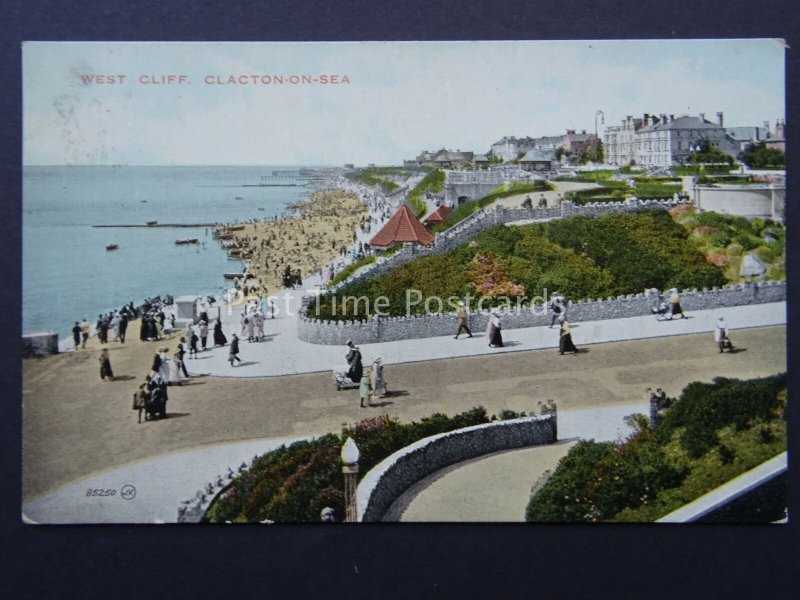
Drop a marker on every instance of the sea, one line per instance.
(68, 274)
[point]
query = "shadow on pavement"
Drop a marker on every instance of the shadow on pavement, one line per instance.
(124, 377)
(395, 394)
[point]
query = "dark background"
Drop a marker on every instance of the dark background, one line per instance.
(409, 561)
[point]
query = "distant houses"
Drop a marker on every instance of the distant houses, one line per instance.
(653, 140)
(665, 141)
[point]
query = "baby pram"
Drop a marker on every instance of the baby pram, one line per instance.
(343, 381)
(660, 311)
(725, 343)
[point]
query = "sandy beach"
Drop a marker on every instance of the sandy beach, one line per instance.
(326, 224)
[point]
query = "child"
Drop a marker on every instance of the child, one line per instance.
(364, 390)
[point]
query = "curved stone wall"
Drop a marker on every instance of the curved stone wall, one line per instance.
(384, 483)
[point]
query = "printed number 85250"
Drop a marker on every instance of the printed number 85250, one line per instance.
(97, 492)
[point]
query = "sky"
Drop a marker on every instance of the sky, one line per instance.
(389, 102)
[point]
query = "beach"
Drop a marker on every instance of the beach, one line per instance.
(324, 227)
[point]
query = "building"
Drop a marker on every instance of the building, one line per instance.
(777, 140)
(512, 148)
(446, 159)
(578, 143)
(438, 216)
(665, 141)
(619, 141)
(745, 136)
(403, 228)
(538, 161)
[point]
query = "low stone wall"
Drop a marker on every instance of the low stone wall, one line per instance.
(389, 329)
(39, 344)
(383, 484)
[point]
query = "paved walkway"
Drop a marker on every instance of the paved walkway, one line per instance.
(281, 353)
(162, 483)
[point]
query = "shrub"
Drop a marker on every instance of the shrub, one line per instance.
(352, 268)
(705, 408)
(294, 483)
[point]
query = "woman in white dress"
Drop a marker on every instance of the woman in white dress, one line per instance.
(164, 369)
(378, 382)
(175, 370)
(258, 325)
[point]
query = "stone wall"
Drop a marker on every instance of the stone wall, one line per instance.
(389, 329)
(383, 484)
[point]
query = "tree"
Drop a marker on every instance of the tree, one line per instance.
(708, 153)
(758, 156)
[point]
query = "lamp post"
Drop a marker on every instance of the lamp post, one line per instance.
(349, 456)
(602, 116)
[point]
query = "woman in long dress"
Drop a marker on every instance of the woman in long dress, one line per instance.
(175, 370)
(378, 383)
(105, 366)
(243, 320)
(493, 331)
(219, 337)
(258, 325)
(565, 341)
(163, 370)
(250, 327)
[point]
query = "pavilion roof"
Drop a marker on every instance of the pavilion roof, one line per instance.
(403, 227)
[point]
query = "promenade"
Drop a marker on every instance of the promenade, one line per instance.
(217, 423)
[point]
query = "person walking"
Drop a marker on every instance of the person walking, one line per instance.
(219, 337)
(193, 339)
(675, 305)
(76, 335)
(85, 329)
(364, 390)
(721, 335)
(203, 334)
(181, 355)
(175, 368)
(378, 382)
(463, 320)
(102, 329)
(354, 366)
(558, 308)
(493, 331)
(141, 398)
(565, 338)
(123, 325)
(258, 325)
(156, 366)
(233, 354)
(105, 366)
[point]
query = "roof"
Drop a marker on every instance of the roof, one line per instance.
(536, 156)
(404, 227)
(439, 215)
(684, 122)
(746, 134)
(579, 137)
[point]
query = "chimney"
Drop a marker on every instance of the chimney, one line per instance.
(703, 117)
(646, 119)
(583, 131)
(671, 118)
(719, 119)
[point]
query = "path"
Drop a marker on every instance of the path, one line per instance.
(107, 446)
